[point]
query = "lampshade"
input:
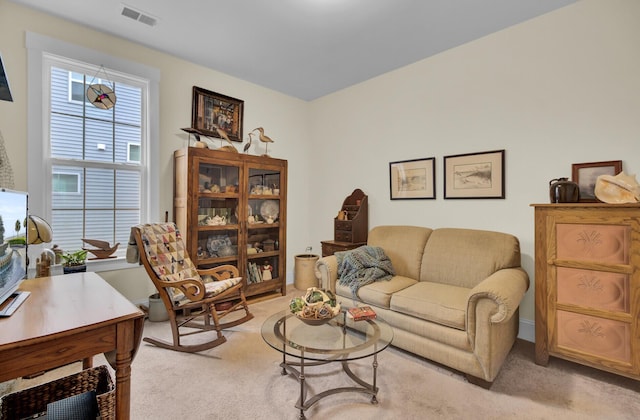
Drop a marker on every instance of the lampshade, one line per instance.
(38, 230)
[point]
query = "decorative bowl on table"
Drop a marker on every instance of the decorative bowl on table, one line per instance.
(316, 307)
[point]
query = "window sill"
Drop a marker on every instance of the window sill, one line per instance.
(109, 264)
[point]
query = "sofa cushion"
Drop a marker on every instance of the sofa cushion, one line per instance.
(404, 245)
(377, 293)
(435, 302)
(465, 257)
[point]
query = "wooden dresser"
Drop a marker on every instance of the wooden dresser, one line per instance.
(587, 285)
(331, 247)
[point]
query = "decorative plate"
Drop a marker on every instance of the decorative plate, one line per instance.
(270, 208)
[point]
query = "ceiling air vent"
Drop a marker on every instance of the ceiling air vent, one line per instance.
(139, 16)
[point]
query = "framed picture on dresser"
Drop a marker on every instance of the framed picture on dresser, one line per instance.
(586, 174)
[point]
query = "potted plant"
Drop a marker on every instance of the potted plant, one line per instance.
(74, 262)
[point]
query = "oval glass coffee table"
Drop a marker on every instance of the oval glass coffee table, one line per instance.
(339, 340)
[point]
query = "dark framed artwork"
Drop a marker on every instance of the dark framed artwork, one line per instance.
(413, 179)
(474, 175)
(5, 92)
(586, 174)
(211, 110)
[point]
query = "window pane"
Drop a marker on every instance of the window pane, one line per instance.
(99, 141)
(66, 136)
(77, 91)
(67, 229)
(128, 107)
(89, 202)
(128, 190)
(68, 199)
(99, 225)
(100, 185)
(61, 96)
(124, 220)
(125, 135)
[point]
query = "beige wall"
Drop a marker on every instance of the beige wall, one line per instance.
(559, 89)
(284, 118)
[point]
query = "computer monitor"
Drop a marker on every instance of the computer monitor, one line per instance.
(14, 208)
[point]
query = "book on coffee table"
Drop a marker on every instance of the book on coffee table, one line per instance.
(361, 313)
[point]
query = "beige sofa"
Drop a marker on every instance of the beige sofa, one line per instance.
(454, 297)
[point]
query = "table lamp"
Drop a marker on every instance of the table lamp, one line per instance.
(39, 232)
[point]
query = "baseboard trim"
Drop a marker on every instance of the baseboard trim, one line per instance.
(527, 330)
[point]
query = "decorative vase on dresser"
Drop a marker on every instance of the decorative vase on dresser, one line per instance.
(232, 209)
(587, 285)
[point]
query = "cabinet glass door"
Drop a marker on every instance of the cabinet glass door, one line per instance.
(217, 215)
(263, 227)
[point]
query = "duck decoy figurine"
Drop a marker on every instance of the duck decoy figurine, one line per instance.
(264, 138)
(198, 143)
(102, 248)
(223, 135)
(248, 145)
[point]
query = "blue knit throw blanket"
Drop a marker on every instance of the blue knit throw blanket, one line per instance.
(362, 266)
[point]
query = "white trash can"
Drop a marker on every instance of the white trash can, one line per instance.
(304, 275)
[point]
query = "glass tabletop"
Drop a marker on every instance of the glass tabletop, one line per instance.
(330, 341)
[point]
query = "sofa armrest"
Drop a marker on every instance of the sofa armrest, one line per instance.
(505, 288)
(327, 272)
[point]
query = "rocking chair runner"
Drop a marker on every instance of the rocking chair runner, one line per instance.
(184, 292)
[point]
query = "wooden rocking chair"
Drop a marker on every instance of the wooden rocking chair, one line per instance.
(189, 293)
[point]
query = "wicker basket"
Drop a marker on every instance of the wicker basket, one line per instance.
(32, 401)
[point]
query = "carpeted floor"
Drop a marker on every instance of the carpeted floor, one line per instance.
(241, 379)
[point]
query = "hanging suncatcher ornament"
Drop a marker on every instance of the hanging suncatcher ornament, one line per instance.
(99, 94)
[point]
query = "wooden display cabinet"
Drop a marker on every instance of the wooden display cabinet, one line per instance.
(231, 209)
(587, 276)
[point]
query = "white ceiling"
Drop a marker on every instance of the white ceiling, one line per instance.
(302, 48)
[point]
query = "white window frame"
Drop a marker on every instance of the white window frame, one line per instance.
(38, 81)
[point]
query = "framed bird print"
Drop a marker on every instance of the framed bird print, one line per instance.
(213, 112)
(413, 179)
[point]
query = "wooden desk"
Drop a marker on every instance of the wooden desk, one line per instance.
(69, 318)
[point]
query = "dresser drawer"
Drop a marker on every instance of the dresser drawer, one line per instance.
(342, 225)
(592, 242)
(343, 236)
(594, 289)
(596, 336)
